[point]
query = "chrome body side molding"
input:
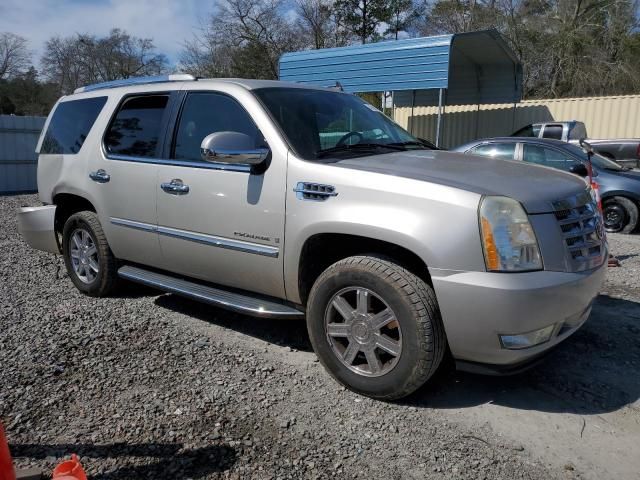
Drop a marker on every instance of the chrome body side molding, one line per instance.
(220, 242)
(237, 302)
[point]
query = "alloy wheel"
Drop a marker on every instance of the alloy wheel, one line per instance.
(84, 255)
(363, 331)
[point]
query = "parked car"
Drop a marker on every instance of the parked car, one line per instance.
(280, 200)
(619, 186)
(625, 151)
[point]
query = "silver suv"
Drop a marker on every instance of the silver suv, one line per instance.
(279, 200)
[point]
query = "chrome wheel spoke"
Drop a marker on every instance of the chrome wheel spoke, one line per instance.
(94, 265)
(75, 254)
(77, 241)
(91, 251)
(338, 330)
(373, 361)
(382, 319)
(351, 351)
(343, 308)
(363, 302)
(388, 345)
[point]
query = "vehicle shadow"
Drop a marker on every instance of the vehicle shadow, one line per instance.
(290, 333)
(171, 461)
(594, 371)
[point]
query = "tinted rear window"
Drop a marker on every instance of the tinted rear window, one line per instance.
(553, 131)
(136, 128)
(70, 125)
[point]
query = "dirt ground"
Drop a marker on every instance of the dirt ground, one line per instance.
(145, 385)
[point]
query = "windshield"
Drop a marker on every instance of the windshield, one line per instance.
(322, 124)
(598, 160)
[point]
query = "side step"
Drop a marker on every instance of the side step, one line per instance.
(236, 302)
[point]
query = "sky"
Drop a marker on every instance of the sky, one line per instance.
(168, 22)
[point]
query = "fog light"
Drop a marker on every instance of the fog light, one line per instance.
(526, 340)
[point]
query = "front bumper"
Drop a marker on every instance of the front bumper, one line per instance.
(477, 307)
(36, 225)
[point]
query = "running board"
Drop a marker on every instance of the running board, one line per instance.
(233, 301)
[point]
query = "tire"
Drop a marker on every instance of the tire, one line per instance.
(82, 260)
(415, 330)
(620, 215)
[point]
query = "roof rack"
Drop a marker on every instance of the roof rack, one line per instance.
(176, 77)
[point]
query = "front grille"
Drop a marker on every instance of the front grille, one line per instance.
(582, 229)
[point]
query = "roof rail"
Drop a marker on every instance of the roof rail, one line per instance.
(176, 77)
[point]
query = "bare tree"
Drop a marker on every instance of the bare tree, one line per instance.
(315, 19)
(82, 59)
(15, 57)
(242, 38)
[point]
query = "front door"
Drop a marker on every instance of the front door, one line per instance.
(216, 222)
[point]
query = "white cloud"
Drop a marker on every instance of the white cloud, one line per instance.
(168, 22)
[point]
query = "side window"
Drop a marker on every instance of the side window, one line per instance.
(497, 150)
(528, 131)
(205, 113)
(552, 131)
(135, 130)
(578, 131)
(548, 157)
(70, 125)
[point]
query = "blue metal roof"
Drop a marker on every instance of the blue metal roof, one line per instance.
(468, 65)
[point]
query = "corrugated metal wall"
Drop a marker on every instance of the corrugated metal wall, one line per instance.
(18, 160)
(605, 117)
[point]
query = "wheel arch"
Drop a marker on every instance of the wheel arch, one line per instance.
(66, 205)
(322, 249)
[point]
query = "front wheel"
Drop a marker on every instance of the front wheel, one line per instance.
(375, 327)
(87, 256)
(620, 215)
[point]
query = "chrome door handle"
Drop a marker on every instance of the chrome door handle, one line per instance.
(100, 176)
(175, 187)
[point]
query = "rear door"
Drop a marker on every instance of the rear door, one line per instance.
(126, 175)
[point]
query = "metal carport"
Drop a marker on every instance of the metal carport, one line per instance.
(459, 69)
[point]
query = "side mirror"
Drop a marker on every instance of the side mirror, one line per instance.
(579, 169)
(586, 146)
(232, 147)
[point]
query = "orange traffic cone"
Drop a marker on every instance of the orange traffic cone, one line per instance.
(69, 470)
(6, 464)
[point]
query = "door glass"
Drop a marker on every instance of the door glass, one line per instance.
(497, 150)
(70, 125)
(528, 131)
(548, 157)
(136, 128)
(206, 113)
(553, 131)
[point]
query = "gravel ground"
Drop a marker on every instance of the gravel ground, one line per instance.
(154, 386)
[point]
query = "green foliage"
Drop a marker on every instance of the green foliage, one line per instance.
(25, 95)
(363, 17)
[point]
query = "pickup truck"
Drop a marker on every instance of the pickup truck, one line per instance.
(275, 199)
(625, 151)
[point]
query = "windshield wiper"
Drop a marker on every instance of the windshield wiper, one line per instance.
(415, 143)
(359, 147)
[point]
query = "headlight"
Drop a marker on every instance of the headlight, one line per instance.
(508, 239)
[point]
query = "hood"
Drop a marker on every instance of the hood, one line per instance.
(535, 187)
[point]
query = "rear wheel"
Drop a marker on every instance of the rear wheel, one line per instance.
(375, 327)
(620, 215)
(87, 256)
